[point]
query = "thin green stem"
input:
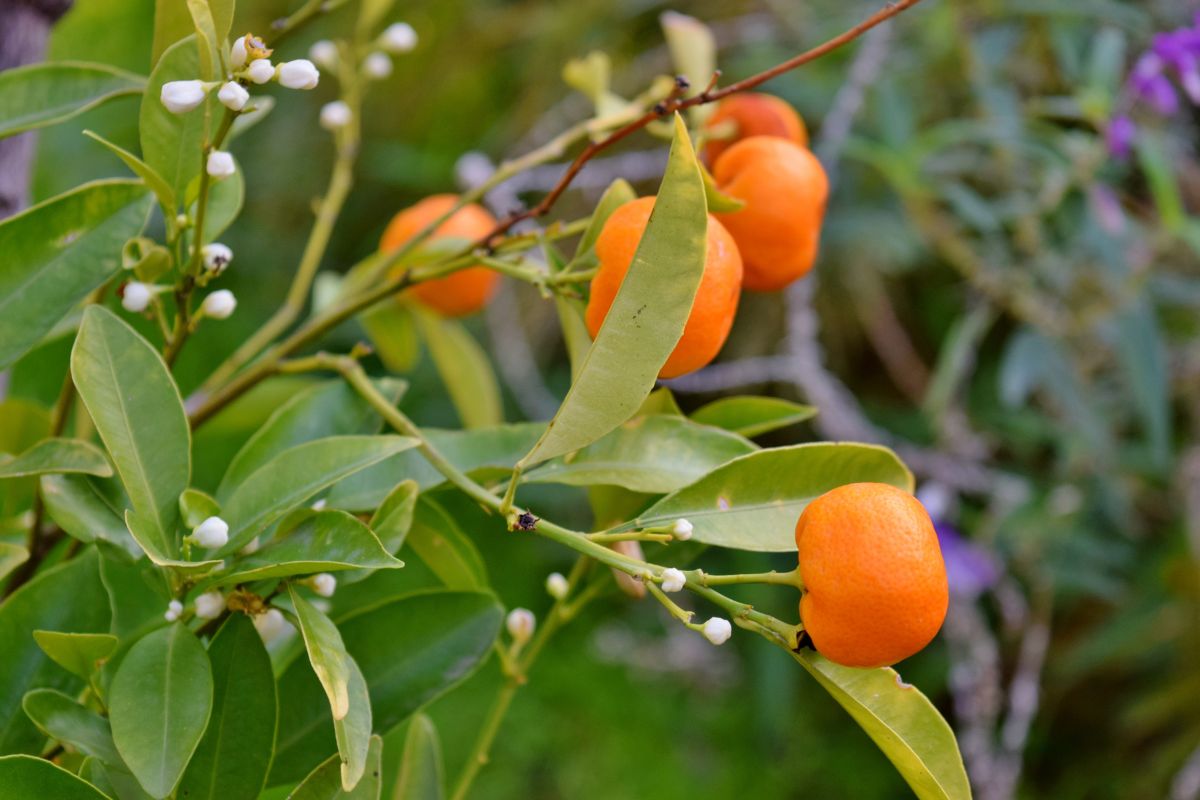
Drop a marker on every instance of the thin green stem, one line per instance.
(630, 536)
(790, 578)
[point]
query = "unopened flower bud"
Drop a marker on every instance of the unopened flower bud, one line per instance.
(237, 53)
(520, 624)
(324, 584)
(557, 586)
(335, 115)
(210, 605)
(682, 530)
(717, 630)
(260, 70)
(216, 257)
(135, 297)
(211, 533)
(219, 305)
(271, 624)
(298, 74)
(220, 164)
(672, 580)
(324, 53)
(174, 611)
(182, 96)
(233, 96)
(399, 37)
(377, 65)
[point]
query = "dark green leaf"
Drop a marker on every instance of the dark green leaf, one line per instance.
(57, 456)
(421, 773)
(83, 507)
(23, 777)
(64, 720)
(78, 653)
(752, 416)
(394, 517)
(172, 143)
(325, 782)
(464, 367)
(45, 94)
(393, 334)
(11, 557)
(225, 198)
(155, 182)
(439, 542)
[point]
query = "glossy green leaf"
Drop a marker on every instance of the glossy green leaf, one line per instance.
(233, 758)
(434, 641)
(330, 408)
(159, 705)
(24, 777)
(67, 597)
(344, 686)
(58, 252)
(78, 653)
(136, 407)
(155, 182)
(647, 316)
(753, 502)
(660, 401)
(65, 720)
(11, 557)
(172, 22)
(297, 474)
(225, 199)
(84, 508)
(654, 454)
(138, 595)
(464, 368)
(172, 143)
(58, 456)
(421, 773)
(393, 519)
(45, 94)
(325, 782)
(901, 721)
(22, 425)
(116, 782)
(717, 201)
(196, 506)
(752, 416)
(206, 38)
(441, 544)
(618, 193)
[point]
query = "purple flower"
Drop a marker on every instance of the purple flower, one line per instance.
(1148, 81)
(1180, 49)
(970, 569)
(1119, 136)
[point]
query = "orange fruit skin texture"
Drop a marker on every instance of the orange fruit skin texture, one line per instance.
(459, 293)
(875, 583)
(784, 187)
(755, 115)
(716, 299)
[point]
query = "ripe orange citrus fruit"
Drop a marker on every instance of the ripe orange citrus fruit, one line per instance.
(874, 582)
(459, 293)
(778, 230)
(716, 298)
(754, 115)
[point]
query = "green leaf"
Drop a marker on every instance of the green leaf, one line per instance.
(1143, 356)
(717, 201)
(574, 330)
(206, 38)
(159, 704)
(693, 54)
(901, 721)
(58, 456)
(464, 368)
(136, 407)
(78, 653)
(393, 335)
(344, 685)
(434, 641)
(322, 541)
(325, 782)
(155, 182)
(654, 454)
(330, 408)
(64, 720)
(58, 252)
(225, 198)
(116, 782)
(441, 544)
(618, 193)
(172, 144)
(393, 518)
(752, 416)
(222, 15)
(66, 597)
(11, 557)
(29, 776)
(233, 758)
(46, 94)
(647, 316)
(421, 773)
(753, 502)
(138, 595)
(84, 508)
(172, 22)
(297, 474)
(22, 425)
(196, 506)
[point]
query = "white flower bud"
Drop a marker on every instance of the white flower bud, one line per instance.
(220, 164)
(324, 53)
(233, 96)
(212, 533)
(174, 610)
(260, 70)
(682, 530)
(135, 297)
(271, 624)
(717, 630)
(210, 605)
(672, 580)
(219, 305)
(182, 96)
(319, 505)
(520, 624)
(557, 586)
(335, 115)
(251, 547)
(377, 65)
(216, 257)
(324, 584)
(399, 37)
(298, 74)
(237, 53)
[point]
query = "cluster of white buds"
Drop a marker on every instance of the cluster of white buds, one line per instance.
(323, 584)
(520, 624)
(271, 624)
(233, 96)
(211, 533)
(682, 530)
(717, 630)
(181, 97)
(672, 580)
(174, 611)
(136, 296)
(218, 305)
(210, 605)
(216, 257)
(557, 586)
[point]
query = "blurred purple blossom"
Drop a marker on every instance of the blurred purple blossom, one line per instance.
(1119, 136)
(970, 569)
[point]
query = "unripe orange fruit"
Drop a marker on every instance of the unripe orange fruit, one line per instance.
(784, 188)
(874, 580)
(716, 298)
(459, 293)
(754, 115)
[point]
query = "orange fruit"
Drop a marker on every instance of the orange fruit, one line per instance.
(874, 582)
(784, 188)
(716, 298)
(754, 115)
(459, 293)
